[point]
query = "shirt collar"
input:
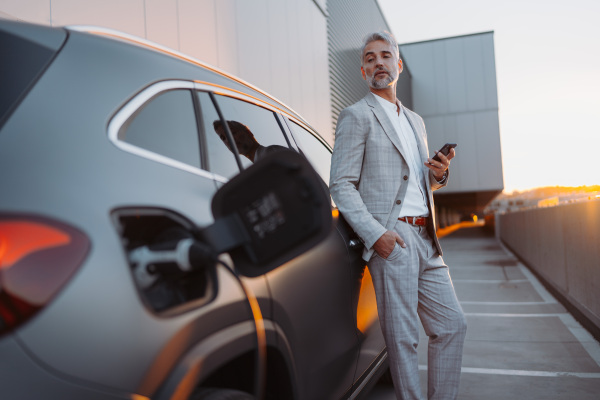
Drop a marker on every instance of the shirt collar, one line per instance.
(390, 107)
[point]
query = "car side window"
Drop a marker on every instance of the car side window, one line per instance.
(220, 159)
(316, 151)
(166, 125)
(255, 129)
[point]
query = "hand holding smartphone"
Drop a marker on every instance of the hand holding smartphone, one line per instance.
(444, 150)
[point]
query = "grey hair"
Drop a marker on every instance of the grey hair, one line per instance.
(381, 35)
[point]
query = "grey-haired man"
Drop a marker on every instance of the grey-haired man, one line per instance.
(382, 182)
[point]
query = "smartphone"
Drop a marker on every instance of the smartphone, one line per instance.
(444, 150)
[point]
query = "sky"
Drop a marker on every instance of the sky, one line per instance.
(548, 76)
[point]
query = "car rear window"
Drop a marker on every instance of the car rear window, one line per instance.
(23, 61)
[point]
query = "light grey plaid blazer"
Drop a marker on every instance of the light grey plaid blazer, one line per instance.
(368, 168)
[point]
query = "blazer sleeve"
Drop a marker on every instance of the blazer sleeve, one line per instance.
(346, 166)
(435, 185)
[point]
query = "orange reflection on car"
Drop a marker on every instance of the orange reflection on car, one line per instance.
(366, 312)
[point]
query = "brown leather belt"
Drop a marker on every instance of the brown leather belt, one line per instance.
(421, 221)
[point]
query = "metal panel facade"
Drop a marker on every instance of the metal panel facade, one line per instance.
(454, 90)
(349, 22)
(279, 46)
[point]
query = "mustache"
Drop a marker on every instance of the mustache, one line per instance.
(380, 83)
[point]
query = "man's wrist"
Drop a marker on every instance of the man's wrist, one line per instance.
(443, 178)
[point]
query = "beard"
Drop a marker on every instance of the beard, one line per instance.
(392, 76)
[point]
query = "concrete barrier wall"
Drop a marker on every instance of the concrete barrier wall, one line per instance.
(562, 245)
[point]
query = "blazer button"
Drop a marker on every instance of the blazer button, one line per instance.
(398, 201)
(405, 177)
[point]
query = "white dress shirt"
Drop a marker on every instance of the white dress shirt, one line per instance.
(415, 203)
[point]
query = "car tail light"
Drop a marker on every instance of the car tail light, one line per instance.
(37, 257)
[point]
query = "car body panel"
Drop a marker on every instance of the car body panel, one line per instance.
(318, 351)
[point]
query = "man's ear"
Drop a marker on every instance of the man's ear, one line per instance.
(364, 75)
(400, 67)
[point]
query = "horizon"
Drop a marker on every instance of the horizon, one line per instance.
(585, 188)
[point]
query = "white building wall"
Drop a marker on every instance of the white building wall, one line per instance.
(454, 90)
(279, 46)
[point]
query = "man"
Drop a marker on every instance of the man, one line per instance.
(244, 140)
(382, 182)
(242, 136)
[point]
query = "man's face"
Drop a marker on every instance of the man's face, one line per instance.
(380, 66)
(242, 136)
(244, 139)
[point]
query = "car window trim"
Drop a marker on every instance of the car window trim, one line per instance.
(266, 106)
(200, 129)
(291, 133)
(286, 132)
(133, 105)
(136, 102)
(282, 113)
(213, 90)
(225, 91)
(232, 144)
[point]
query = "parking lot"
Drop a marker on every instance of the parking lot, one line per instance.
(521, 343)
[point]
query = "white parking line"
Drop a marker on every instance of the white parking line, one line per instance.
(490, 281)
(586, 340)
(506, 315)
(518, 372)
(508, 303)
(539, 288)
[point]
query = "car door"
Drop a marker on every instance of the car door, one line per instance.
(313, 299)
(361, 292)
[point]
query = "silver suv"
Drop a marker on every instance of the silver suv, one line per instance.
(111, 151)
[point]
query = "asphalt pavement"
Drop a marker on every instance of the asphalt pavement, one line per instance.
(521, 343)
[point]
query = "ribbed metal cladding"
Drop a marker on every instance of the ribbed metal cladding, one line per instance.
(348, 23)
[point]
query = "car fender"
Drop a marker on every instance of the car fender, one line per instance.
(206, 357)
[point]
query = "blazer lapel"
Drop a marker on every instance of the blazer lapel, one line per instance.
(385, 122)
